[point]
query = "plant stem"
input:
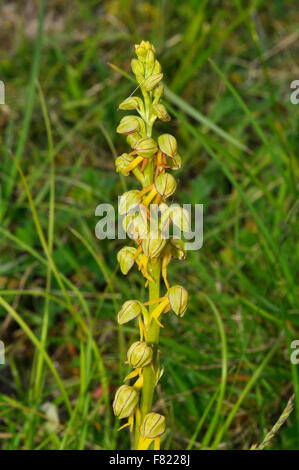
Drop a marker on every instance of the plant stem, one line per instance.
(152, 338)
(152, 331)
(152, 334)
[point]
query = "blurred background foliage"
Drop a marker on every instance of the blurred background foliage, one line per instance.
(228, 68)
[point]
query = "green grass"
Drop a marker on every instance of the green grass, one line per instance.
(228, 71)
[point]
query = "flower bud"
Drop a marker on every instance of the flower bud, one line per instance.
(175, 162)
(157, 67)
(152, 81)
(132, 139)
(152, 426)
(139, 354)
(158, 92)
(128, 125)
(131, 103)
(178, 248)
(161, 112)
(130, 310)
(146, 147)
(142, 49)
(150, 62)
(152, 247)
(126, 258)
(128, 201)
(178, 299)
(168, 144)
(125, 401)
(135, 224)
(137, 67)
(122, 162)
(165, 185)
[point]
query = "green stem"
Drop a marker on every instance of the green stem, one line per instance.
(152, 332)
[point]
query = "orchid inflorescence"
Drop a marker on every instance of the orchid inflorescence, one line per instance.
(149, 161)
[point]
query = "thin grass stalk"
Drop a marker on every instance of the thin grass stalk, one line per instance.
(44, 333)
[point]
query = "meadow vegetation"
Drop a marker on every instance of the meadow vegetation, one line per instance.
(228, 68)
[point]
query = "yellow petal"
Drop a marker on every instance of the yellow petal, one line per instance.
(144, 443)
(139, 383)
(146, 190)
(133, 164)
(124, 426)
(154, 301)
(158, 311)
(131, 422)
(147, 200)
(157, 443)
(131, 375)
